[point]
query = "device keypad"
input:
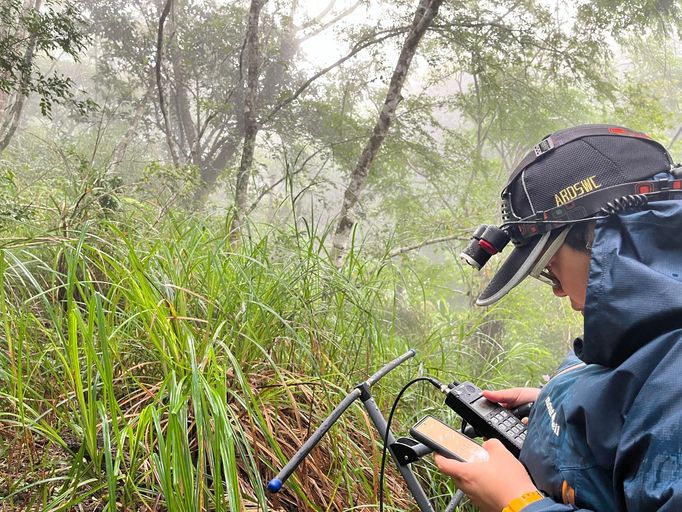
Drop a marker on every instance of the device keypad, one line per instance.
(514, 430)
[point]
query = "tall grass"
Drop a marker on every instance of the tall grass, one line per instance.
(163, 369)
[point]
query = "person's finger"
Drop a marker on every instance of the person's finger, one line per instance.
(493, 446)
(524, 420)
(448, 466)
(505, 397)
(512, 397)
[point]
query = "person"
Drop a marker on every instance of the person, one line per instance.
(595, 211)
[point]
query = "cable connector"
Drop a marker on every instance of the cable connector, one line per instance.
(443, 388)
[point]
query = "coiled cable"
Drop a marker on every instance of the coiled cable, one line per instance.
(620, 204)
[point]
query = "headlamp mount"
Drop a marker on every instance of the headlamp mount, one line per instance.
(489, 240)
(485, 242)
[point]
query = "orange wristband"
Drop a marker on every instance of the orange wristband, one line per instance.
(518, 504)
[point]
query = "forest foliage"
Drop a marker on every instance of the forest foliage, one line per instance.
(220, 215)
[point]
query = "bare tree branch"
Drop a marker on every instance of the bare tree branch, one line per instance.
(317, 18)
(426, 12)
(302, 167)
(357, 48)
(403, 250)
(343, 14)
(162, 102)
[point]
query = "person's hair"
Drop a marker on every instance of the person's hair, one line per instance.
(581, 236)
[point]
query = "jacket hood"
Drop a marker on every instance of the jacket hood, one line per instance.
(634, 290)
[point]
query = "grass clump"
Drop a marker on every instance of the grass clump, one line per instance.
(164, 369)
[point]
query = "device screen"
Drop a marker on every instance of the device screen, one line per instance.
(450, 439)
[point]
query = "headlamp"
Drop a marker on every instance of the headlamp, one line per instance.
(485, 242)
(489, 240)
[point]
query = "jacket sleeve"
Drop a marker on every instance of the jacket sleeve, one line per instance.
(549, 505)
(648, 465)
(647, 469)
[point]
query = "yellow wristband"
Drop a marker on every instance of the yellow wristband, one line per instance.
(517, 504)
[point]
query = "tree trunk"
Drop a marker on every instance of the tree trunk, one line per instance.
(426, 12)
(4, 101)
(184, 113)
(211, 169)
(188, 132)
(162, 102)
(122, 146)
(11, 122)
(250, 120)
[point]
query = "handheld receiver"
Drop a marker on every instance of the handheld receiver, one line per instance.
(489, 419)
(445, 440)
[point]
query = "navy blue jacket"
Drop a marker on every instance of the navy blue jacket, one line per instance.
(607, 436)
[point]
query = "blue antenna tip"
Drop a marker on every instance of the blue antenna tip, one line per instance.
(275, 485)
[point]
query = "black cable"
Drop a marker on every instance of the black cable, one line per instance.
(558, 221)
(430, 380)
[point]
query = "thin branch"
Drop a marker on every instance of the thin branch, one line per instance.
(361, 45)
(674, 139)
(403, 250)
(316, 19)
(269, 189)
(333, 21)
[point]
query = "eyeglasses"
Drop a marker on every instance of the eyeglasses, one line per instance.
(546, 276)
(540, 270)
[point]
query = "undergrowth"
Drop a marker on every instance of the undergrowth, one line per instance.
(155, 366)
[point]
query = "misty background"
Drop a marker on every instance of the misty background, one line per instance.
(218, 215)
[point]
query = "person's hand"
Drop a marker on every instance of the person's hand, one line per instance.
(513, 397)
(490, 485)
